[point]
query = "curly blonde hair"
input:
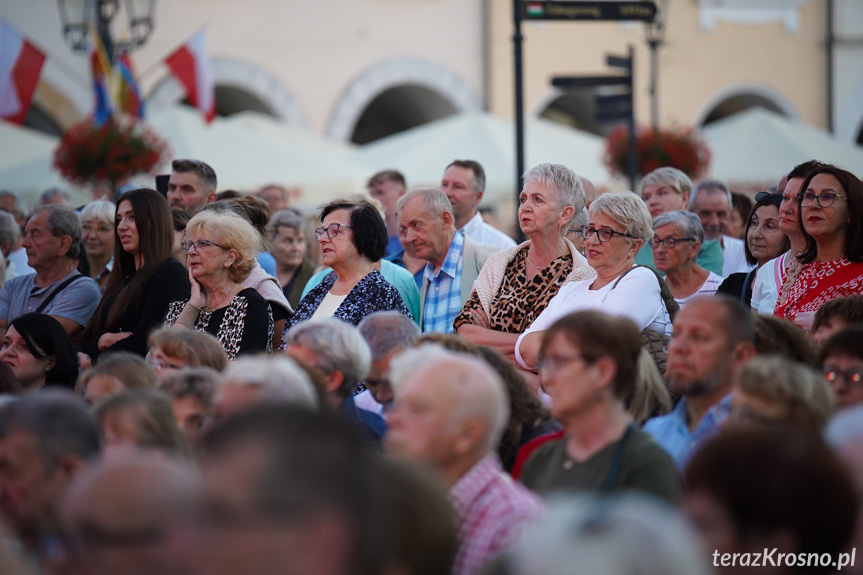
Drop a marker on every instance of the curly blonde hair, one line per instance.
(233, 233)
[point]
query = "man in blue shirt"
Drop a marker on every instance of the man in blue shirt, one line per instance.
(427, 224)
(713, 337)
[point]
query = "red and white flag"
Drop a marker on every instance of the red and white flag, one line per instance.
(20, 65)
(191, 66)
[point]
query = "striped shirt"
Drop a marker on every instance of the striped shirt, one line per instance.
(443, 298)
(709, 287)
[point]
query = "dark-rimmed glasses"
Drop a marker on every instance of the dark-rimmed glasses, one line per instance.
(332, 231)
(775, 199)
(604, 234)
(198, 244)
(668, 242)
(824, 200)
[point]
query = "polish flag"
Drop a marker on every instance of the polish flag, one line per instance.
(20, 65)
(191, 66)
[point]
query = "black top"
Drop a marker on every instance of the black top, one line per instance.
(243, 326)
(739, 286)
(169, 282)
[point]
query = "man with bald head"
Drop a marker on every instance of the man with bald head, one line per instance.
(449, 413)
(135, 514)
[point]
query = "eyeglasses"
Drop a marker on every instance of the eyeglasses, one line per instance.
(331, 230)
(775, 199)
(849, 376)
(101, 228)
(604, 234)
(198, 244)
(824, 200)
(669, 242)
(554, 363)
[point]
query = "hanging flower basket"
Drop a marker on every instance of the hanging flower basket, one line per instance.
(108, 155)
(680, 148)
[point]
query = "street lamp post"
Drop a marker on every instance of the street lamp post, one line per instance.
(654, 32)
(77, 15)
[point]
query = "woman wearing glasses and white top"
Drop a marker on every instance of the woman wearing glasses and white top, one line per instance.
(831, 216)
(221, 249)
(353, 236)
(619, 225)
(677, 237)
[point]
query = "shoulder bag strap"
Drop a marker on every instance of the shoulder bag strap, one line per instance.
(59, 288)
(671, 304)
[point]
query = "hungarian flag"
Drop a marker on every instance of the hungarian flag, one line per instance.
(128, 98)
(190, 64)
(100, 69)
(20, 65)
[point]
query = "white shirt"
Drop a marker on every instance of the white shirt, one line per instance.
(480, 232)
(734, 257)
(637, 297)
(709, 287)
(765, 288)
(329, 305)
(19, 260)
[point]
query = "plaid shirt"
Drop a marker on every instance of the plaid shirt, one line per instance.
(493, 509)
(443, 299)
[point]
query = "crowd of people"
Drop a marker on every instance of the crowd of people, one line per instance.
(659, 381)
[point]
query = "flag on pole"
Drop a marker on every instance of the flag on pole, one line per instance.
(20, 65)
(128, 96)
(100, 69)
(190, 64)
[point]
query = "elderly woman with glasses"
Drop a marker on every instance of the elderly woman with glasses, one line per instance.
(221, 248)
(619, 225)
(352, 237)
(516, 284)
(677, 237)
(831, 217)
(97, 224)
(764, 242)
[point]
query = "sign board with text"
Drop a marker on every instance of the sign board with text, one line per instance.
(596, 11)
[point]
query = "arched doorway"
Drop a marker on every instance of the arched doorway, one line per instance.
(737, 104)
(398, 109)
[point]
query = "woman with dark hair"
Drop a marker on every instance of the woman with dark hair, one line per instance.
(144, 280)
(352, 238)
(38, 351)
(588, 363)
(831, 217)
(763, 242)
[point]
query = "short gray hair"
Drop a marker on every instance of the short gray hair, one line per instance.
(712, 186)
(337, 346)
(627, 533)
(580, 219)
(51, 193)
(205, 173)
(63, 221)
(60, 422)
(98, 210)
(277, 378)
(628, 210)
(288, 218)
(688, 223)
(494, 407)
(567, 184)
(436, 202)
(9, 230)
(667, 176)
(388, 331)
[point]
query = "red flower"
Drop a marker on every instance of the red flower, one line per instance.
(107, 154)
(680, 148)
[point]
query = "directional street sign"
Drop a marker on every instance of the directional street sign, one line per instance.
(596, 11)
(589, 81)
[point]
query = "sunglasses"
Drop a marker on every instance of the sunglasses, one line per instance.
(775, 199)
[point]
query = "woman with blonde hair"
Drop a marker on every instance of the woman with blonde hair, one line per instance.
(173, 349)
(116, 373)
(221, 248)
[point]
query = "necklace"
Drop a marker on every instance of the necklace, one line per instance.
(527, 257)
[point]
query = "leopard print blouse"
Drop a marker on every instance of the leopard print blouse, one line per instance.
(519, 301)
